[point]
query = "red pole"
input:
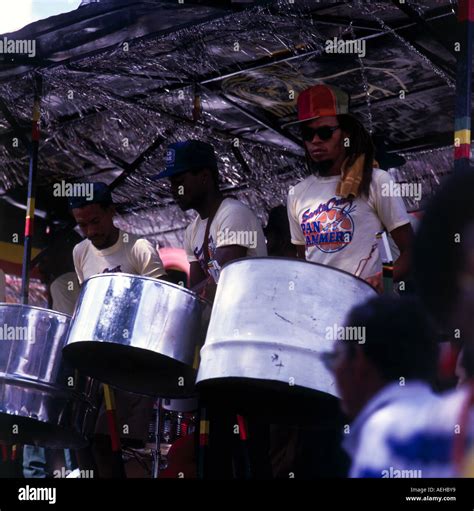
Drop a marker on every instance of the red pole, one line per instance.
(30, 208)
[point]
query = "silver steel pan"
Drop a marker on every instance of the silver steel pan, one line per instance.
(267, 329)
(42, 401)
(137, 333)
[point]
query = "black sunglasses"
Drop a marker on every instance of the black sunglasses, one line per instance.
(323, 132)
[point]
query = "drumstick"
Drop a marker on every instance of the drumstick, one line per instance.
(203, 441)
(243, 435)
(111, 417)
(113, 430)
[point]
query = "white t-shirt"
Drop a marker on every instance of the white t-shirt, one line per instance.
(390, 437)
(130, 254)
(340, 232)
(233, 224)
(64, 292)
(414, 436)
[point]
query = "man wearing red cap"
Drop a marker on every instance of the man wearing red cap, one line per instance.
(335, 212)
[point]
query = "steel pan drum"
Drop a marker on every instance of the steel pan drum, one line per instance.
(42, 401)
(267, 328)
(137, 333)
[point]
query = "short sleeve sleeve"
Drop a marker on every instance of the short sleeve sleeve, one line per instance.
(188, 245)
(237, 218)
(77, 263)
(390, 209)
(297, 236)
(147, 260)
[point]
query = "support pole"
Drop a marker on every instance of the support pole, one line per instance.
(157, 451)
(30, 207)
(462, 121)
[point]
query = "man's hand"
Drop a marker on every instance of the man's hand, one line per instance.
(206, 289)
(199, 288)
(376, 281)
(209, 292)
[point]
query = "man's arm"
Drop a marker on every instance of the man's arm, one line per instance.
(229, 253)
(77, 265)
(403, 238)
(223, 255)
(301, 252)
(297, 238)
(196, 275)
(392, 213)
(148, 262)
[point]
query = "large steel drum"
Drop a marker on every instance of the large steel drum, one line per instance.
(271, 319)
(138, 334)
(42, 401)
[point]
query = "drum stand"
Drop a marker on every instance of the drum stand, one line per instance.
(156, 453)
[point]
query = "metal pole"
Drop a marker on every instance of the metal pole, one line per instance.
(30, 207)
(203, 438)
(157, 451)
(462, 121)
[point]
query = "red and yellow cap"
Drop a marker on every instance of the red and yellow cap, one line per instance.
(321, 101)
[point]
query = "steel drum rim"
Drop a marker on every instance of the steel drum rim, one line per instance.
(7, 379)
(311, 356)
(142, 277)
(34, 418)
(38, 419)
(82, 438)
(315, 353)
(35, 307)
(268, 258)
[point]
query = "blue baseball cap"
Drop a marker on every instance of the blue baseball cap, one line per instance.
(91, 193)
(188, 155)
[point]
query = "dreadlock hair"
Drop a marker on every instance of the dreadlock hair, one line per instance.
(360, 142)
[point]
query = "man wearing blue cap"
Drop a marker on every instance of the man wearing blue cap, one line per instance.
(224, 230)
(108, 249)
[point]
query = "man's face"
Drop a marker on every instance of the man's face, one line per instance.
(96, 223)
(188, 189)
(324, 150)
